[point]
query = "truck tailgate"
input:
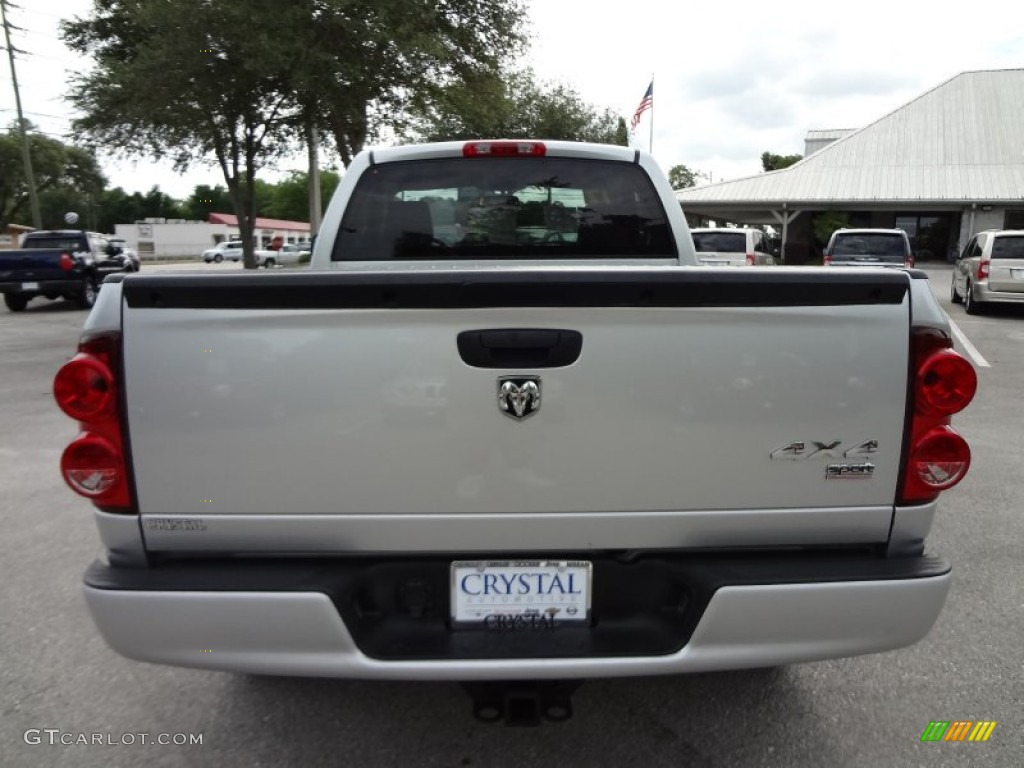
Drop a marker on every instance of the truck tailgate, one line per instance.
(701, 391)
(32, 265)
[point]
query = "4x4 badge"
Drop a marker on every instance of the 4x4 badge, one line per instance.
(519, 396)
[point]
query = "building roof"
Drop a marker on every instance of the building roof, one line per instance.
(961, 141)
(232, 221)
(830, 134)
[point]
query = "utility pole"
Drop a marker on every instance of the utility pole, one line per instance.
(314, 180)
(37, 219)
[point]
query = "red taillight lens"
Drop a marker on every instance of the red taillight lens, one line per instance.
(939, 460)
(504, 149)
(94, 468)
(946, 384)
(908, 261)
(84, 388)
(750, 260)
(827, 261)
(66, 262)
(982, 270)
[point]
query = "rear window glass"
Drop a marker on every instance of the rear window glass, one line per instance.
(503, 208)
(722, 242)
(57, 242)
(865, 245)
(1008, 247)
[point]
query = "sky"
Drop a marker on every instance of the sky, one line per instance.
(731, 79)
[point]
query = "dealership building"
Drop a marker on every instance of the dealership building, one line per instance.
(178, 238)
(944, 166)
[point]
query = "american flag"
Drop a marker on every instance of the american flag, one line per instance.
(645, 103)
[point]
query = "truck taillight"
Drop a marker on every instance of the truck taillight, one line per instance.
(944, 383)
(750, 260)
(66, 262)
(85, 388)
(504, 149)
(908, 261)
(827, 261)
(982, 270)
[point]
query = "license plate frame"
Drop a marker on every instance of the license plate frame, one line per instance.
(527, 593)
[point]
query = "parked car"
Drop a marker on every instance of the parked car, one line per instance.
(989, 270)
(868, 248)
(732, 247)
(288, 254)
(130, 256)
(54, 264)
(229, 249)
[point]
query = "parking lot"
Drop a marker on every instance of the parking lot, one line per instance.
(57, 673)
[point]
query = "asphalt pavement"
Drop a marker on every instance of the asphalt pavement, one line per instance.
(56, 672)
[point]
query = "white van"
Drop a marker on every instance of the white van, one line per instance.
(732, 247)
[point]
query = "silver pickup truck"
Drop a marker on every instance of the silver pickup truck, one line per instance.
(517, 434)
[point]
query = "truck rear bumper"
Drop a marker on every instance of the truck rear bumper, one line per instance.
(42, 286)
(312, 619)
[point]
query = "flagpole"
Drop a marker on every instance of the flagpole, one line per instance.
(650, 142)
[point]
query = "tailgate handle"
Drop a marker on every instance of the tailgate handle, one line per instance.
(520, 347)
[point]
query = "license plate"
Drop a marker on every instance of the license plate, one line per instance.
(512, 594)
(30, 286)
(1018, 274)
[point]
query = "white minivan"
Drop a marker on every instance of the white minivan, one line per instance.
(732, 247)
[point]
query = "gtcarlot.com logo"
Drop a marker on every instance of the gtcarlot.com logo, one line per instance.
(55, 736)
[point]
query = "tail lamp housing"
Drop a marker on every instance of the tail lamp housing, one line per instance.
(983, 266)
(943, 383)
(751, 260)
(86, 389)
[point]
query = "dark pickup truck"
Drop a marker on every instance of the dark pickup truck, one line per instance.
(68, 264)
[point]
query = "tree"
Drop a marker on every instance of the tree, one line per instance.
(186, 80)
(772, 162)
(680, 177)
(367, 65)
(823, 224)
(205, 200)
(291, 196)
(58, 167)
(515, 105)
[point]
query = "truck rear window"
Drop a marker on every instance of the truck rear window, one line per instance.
(1008, 247)
(869, 245)
(503, 208)
(56, 242)
(720, 242)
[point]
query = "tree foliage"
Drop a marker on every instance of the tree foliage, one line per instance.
(823, 224)
(773, 162)
(290, 197)
(680, 177)
(516, 106)
(61, 170)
